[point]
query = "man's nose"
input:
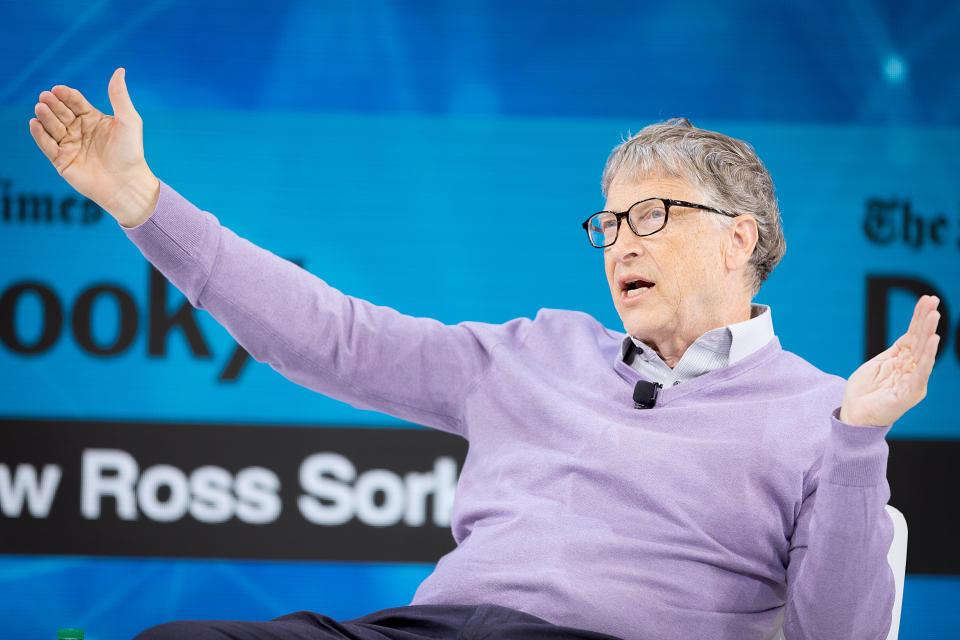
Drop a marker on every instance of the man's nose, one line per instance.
(627, 245)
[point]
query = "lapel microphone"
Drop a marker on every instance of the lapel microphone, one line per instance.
(645, 394)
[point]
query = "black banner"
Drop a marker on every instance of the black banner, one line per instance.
(924, 476)
(200, 490)
(308, 493)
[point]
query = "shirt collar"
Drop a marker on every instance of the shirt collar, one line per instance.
(750, 335)
(728, 345)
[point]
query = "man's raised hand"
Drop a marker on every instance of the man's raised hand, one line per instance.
(100, 156)
(886, 386)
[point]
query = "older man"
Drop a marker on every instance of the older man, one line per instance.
(687, 479)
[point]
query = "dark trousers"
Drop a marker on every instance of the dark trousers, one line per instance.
(414, 622)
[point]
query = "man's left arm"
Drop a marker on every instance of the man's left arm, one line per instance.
(839, 584)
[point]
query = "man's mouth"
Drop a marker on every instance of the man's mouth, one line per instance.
(634, 287)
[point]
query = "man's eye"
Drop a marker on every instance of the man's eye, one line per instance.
(608, 224)
(657, 213)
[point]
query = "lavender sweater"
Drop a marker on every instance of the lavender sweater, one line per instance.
(739, 497)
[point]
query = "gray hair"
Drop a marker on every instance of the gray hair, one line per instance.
(724, 169)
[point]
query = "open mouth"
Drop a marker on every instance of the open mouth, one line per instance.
(636, 287)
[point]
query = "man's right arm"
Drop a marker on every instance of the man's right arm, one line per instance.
(371, 356)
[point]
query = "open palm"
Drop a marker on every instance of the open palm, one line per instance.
(892, 382)
(100, 156)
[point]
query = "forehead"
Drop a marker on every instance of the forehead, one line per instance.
(623, 193)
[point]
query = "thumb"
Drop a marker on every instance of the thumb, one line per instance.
(119, 97)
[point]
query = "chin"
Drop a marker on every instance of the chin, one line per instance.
(635, 325)
(644, 323)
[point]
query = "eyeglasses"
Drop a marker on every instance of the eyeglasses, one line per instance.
(645, 219)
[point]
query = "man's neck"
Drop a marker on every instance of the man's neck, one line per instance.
(671, 348)
(715, 349)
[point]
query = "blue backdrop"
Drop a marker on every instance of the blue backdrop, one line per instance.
(436, 121)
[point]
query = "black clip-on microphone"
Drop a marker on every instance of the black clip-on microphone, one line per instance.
(645, 394)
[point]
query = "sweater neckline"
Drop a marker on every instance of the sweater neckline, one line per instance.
(668, 394)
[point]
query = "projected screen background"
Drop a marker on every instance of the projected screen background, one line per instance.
(468, 138)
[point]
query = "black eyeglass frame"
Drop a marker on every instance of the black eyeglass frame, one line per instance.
(667, 203)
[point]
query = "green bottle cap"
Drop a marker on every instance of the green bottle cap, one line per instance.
(69, 634)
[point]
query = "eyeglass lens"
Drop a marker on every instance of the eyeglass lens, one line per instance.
(645, 217)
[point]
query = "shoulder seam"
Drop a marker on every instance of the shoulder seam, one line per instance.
(483, 375)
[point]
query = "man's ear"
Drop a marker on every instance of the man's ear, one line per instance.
(743, 239)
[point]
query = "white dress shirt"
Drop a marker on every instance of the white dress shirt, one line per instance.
(713, 350)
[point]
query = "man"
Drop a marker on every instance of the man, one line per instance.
(747, 490)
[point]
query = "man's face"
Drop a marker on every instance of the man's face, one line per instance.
(681, 265)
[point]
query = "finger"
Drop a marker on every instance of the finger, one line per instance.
(73, 99)
(913, 351)
(120, 97)
(58, 108)
(927, 358)
(50, 122)
(904, 344)
(917, 313)
(926, 327)
(915, 336)
(930, 324)
(47, 144)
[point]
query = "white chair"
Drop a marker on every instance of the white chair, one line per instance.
(897, 558)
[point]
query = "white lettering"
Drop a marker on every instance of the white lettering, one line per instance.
(257, 499)
(174, 507)
(326, 477)
(419, 486)
(445, 472)
(442, 483)
(368, 485)
(95, 485)
(312, 481)
(24, 487)
(212, 500)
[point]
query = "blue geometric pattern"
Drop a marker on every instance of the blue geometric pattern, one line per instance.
(864, 61)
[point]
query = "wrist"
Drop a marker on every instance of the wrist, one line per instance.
(136, 199)
(857, 419)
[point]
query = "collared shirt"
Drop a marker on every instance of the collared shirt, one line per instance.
(713, 350)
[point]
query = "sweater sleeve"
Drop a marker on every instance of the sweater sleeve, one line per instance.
(370, 356)
(839, 583)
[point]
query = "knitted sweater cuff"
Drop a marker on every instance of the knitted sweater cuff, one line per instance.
(180, 240)
(856, 456)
